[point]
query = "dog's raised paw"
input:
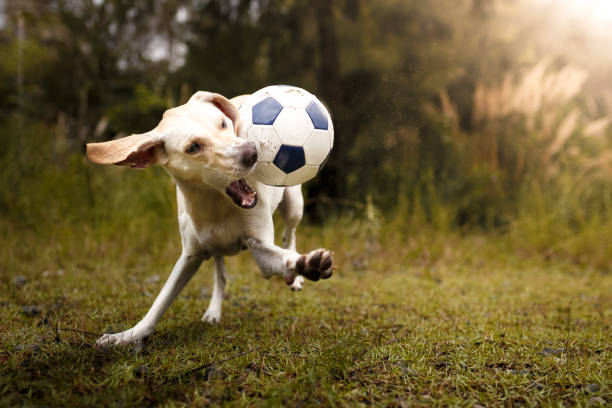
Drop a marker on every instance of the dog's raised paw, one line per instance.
(315, 265)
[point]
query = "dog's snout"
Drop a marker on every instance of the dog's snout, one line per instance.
(248, 154)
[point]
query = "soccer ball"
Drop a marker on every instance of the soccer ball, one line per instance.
(293, 133)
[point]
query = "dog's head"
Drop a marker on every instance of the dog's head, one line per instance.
(196, 142)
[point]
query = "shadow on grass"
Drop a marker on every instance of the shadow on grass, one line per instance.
(162, 368)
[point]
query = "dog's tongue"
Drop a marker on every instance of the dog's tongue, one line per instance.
(242, 194)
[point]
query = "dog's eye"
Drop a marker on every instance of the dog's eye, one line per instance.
(193, 148)
(223, 124)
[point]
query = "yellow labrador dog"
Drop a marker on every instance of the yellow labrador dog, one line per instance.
(221, 210)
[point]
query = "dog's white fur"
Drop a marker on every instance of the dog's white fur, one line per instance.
(211, 225)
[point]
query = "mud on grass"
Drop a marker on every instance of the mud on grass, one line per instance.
(422, 322)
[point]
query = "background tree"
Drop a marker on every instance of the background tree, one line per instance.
(454, 109)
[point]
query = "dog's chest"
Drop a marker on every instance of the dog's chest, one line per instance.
(223, 238)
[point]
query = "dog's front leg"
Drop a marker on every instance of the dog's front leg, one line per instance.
(185, 268)
(273, 260)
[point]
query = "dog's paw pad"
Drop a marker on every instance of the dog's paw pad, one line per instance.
(315, 265)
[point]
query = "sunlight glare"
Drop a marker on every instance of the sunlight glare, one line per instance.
(594, 10)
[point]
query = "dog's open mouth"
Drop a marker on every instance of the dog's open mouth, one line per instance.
(242, 194)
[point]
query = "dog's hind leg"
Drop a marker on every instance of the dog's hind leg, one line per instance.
(213, 313)
(183, 271)
(291, 209)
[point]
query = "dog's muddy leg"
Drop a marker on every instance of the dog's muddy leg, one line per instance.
(272, 260)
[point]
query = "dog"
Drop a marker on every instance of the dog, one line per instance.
(221, 210)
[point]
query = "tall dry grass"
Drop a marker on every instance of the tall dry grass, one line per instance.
(547, 144)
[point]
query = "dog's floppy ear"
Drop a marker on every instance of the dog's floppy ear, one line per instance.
(222, 103)
(137, 151)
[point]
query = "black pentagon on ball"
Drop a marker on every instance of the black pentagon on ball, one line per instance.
(289, 158)
(317, 116)
(266, 111)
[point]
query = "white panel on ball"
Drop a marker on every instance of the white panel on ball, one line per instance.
(270, 173)
(266, 140)
(293, 97)
(301, 174)
(263, 92)
(246, 117)
(294, 126)
(317, 147)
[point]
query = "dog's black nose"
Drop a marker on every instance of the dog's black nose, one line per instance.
(248, 154)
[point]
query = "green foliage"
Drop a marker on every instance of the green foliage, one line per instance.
(142, 113)
(48, 188)
(435, 121)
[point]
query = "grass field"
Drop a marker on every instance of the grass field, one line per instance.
(419, 319)
(468, 202)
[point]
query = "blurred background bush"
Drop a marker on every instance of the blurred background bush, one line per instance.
(453, 116)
